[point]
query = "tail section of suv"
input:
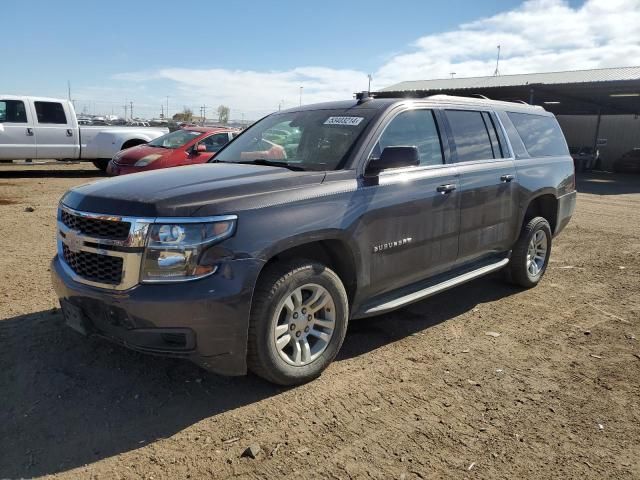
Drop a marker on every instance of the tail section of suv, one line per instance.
(312, 217)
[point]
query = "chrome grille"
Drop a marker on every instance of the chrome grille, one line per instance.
(96, 227)
(103, 251)
(93, 266)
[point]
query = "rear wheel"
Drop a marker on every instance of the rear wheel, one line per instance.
(298, 322)
(530, 254)
(101, 164)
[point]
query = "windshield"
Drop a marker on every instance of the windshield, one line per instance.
(308, 140)
(174, 139)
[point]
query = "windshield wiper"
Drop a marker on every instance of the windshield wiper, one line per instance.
(272, 163)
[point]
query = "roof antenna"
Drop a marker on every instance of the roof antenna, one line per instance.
(497, 72)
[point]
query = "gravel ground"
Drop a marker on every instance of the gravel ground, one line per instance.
(420, 393)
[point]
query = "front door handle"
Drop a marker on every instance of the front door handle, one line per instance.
(447, 188)
(507, 178)
(69, 132)
(29, 132)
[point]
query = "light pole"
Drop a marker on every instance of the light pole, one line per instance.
(370, 78)
(167, 106)
(301, 95)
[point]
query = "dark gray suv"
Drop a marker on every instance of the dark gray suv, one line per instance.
(309, 218)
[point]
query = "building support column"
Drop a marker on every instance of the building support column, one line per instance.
(598, 162)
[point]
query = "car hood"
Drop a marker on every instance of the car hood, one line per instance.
(131, 155)
(198, 190)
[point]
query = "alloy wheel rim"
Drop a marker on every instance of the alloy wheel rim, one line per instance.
(537, 253)
(304, 324)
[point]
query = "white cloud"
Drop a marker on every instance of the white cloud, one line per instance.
(538, 36)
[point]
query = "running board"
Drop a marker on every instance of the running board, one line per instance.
(437, 288)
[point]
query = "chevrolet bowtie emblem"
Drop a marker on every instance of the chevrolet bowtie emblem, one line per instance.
(73, 241)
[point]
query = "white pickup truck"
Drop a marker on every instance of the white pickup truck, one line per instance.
(47, 128)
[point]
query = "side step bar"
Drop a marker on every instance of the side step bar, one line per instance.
(433, 289)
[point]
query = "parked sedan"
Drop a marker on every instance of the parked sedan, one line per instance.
(182, 147)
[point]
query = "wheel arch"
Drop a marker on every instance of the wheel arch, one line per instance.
(332, 251)
(132, 142)
(543, 204)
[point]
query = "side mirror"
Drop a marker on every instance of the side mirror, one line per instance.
(200, 148)
(394, 157)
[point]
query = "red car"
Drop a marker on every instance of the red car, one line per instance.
(183, 147)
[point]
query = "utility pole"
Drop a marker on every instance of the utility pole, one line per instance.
(167, 106)
(203, 113)
(131, 109)
(497, 72)
(69, 89)
(452, 74)
(301, 95)
(125, 110)
(161, 111)
(370, 78)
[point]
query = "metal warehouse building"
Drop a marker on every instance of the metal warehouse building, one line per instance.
(596, 108)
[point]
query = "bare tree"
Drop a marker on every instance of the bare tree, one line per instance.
(223, 114)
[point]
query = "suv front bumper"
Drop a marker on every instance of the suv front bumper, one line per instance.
(205, 321)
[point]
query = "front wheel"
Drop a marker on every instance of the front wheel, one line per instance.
(298, 322)
(530, 254)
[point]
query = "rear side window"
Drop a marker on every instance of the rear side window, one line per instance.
(413, 128)
(541, 136)
(471, 136)
(50, 112)
(216, 142)
(12, 111)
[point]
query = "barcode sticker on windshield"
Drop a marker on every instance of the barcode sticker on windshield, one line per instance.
(351, 121)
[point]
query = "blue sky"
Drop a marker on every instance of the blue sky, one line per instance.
(254, 55)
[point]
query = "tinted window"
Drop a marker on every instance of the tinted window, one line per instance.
(50, 112)
(470, 135)
(12, 111)
(414, 128)
(542, 136)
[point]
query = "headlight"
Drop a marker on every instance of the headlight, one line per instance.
(146, 160)
(174, 252)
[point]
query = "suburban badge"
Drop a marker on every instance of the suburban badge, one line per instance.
(386, 246)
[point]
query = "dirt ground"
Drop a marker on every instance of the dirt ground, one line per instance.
(420, 393)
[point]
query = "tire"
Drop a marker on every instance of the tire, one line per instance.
(278, 328)
(101, 164)
(521, 269)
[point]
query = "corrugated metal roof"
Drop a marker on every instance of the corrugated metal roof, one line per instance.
(575, 76)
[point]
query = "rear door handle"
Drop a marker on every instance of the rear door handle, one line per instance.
(449, 187)
(507, 178)
(29, 132)
(69, 132)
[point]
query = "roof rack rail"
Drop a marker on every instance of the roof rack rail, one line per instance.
(479, 95)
